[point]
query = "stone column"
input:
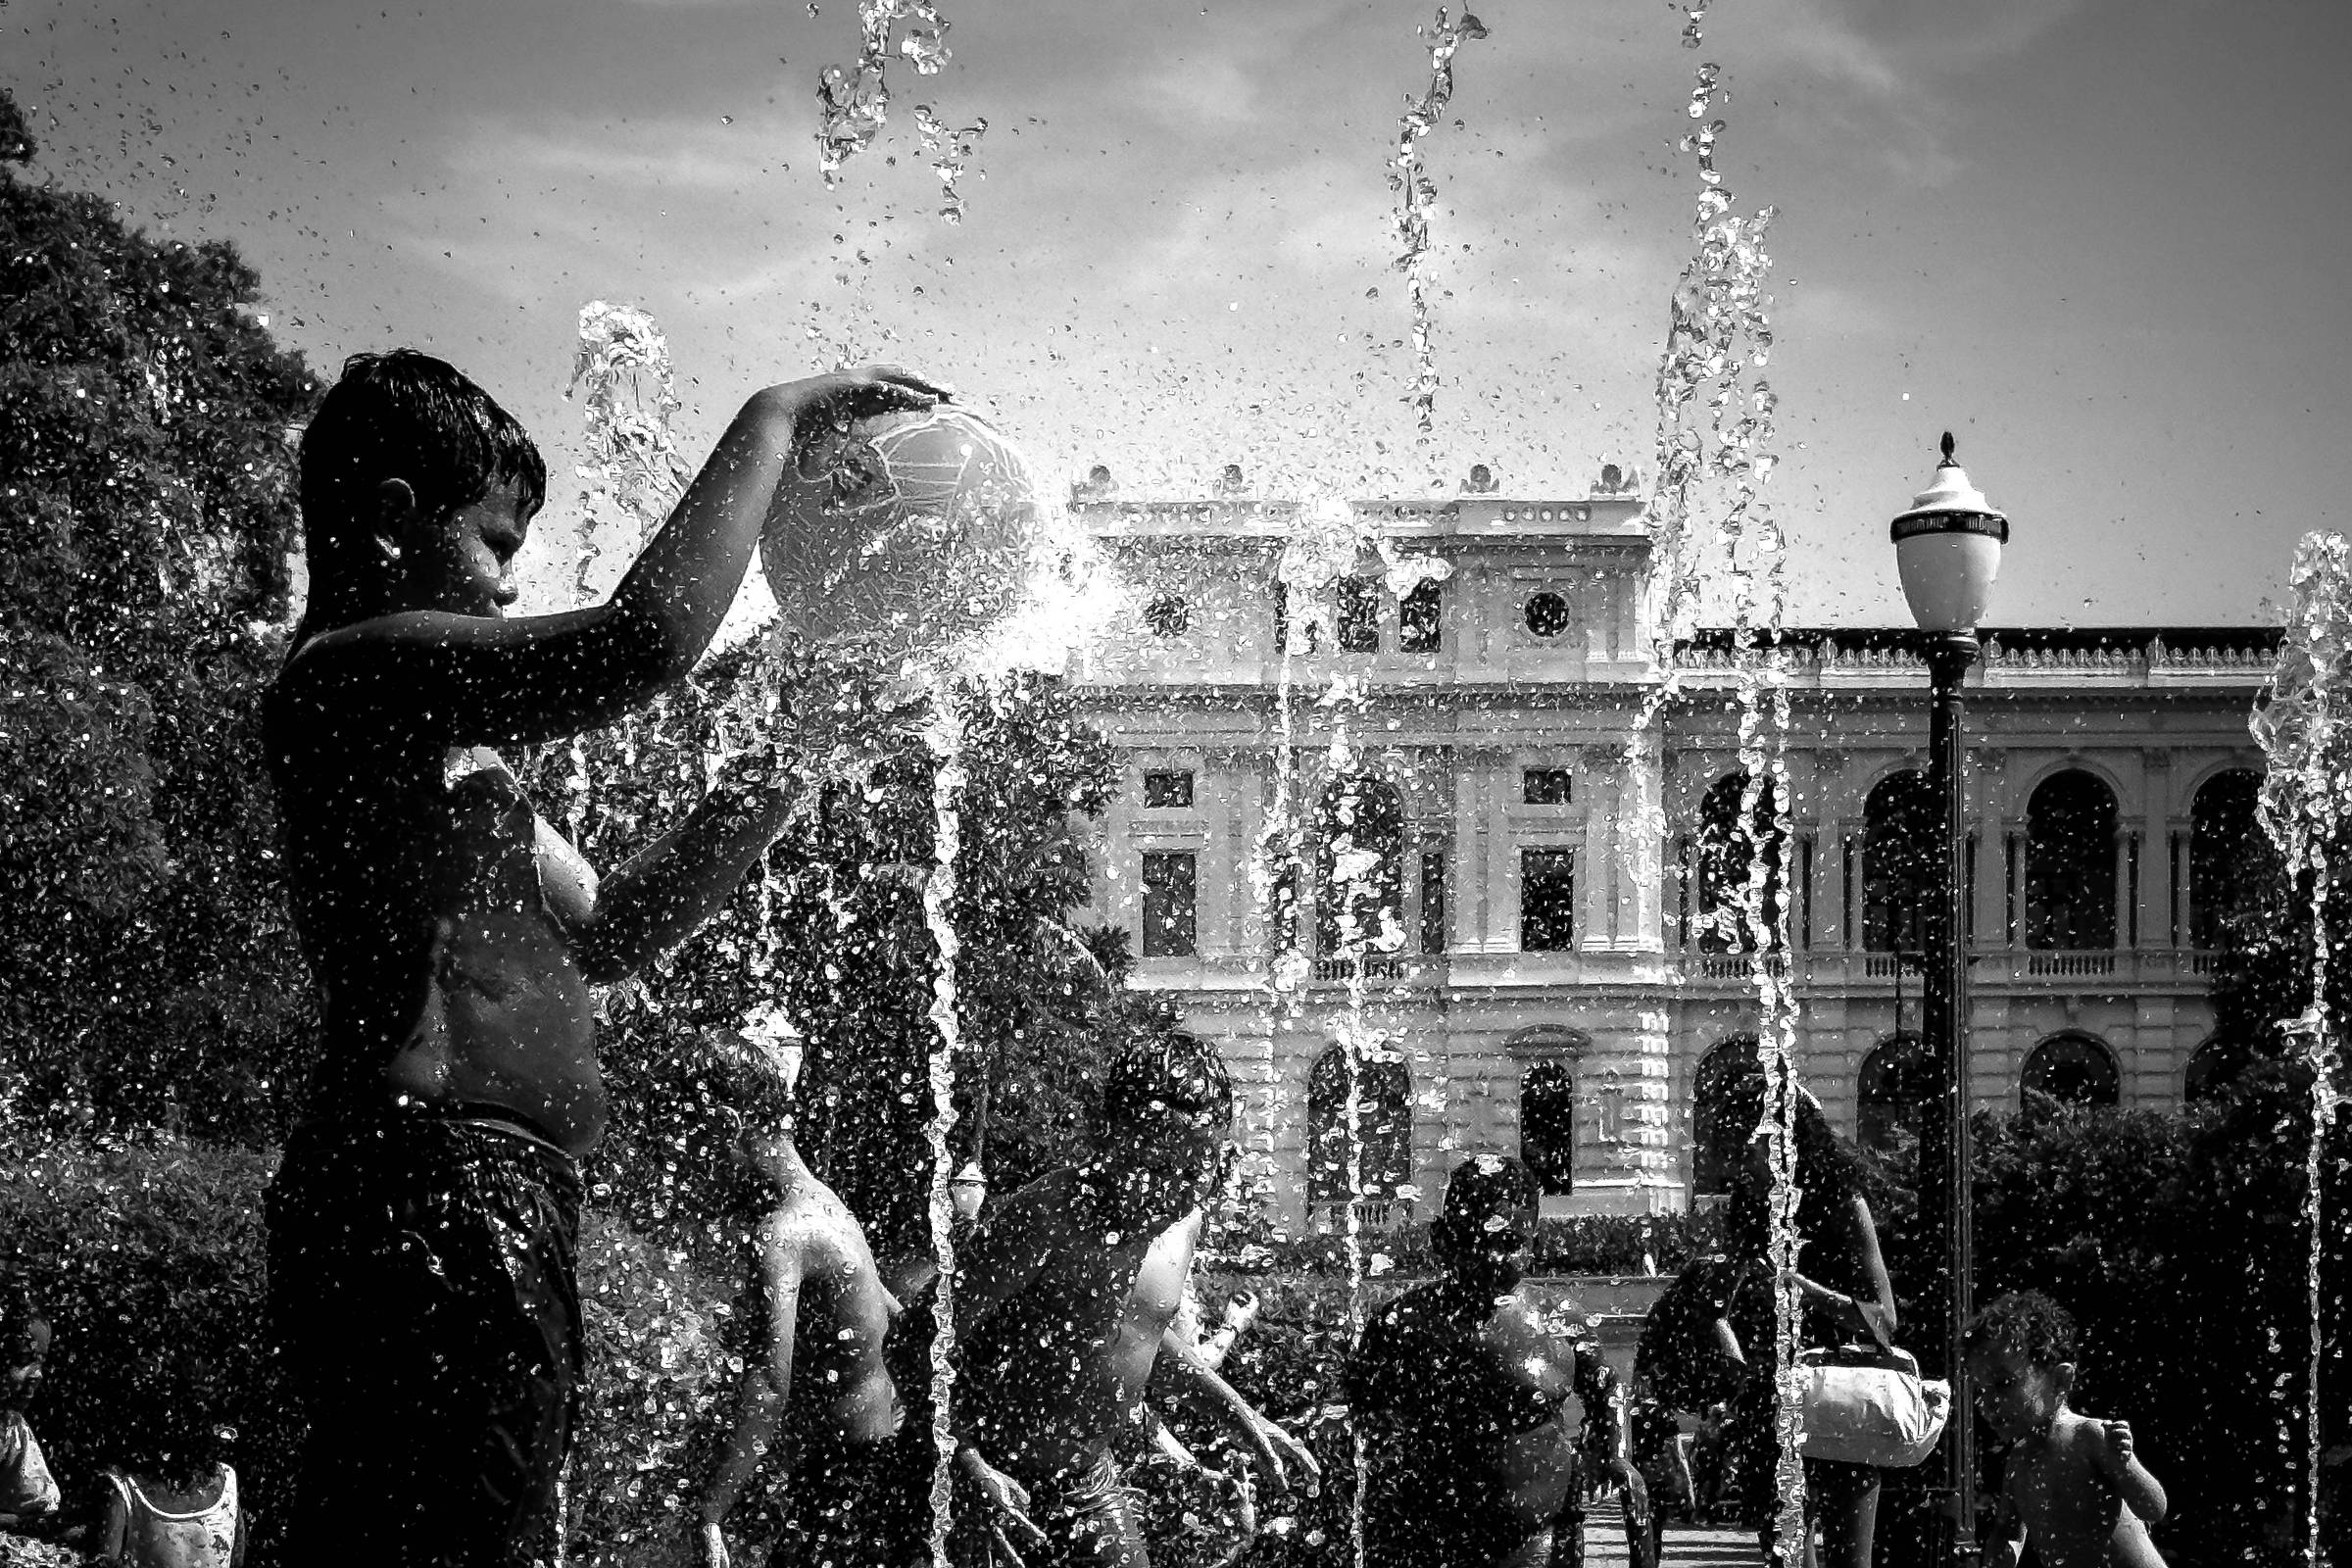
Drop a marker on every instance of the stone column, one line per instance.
(2155, 869)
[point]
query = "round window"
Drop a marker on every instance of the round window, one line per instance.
(1167, 616)
(1547, 615)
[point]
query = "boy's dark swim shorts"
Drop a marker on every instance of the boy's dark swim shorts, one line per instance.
(421, 1286)
(864, 1506)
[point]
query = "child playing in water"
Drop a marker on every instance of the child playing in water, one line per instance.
(179, 1509)
(817, 1402)
(28, 1493)
(424, 1220)
(2074, 1485)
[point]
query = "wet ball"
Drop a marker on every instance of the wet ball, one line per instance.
(906, 534)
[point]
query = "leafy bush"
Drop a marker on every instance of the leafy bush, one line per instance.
(148, 1257)
(1590, 1244)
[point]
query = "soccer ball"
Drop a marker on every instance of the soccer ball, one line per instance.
(907, 535)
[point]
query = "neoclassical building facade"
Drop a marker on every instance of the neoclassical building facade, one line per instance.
(1548, 828)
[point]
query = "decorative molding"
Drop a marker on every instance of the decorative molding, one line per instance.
(1990, 761)
(2156, 760)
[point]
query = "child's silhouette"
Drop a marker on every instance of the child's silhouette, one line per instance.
(423, 1224)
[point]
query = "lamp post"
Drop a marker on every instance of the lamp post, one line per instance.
(1948, 549)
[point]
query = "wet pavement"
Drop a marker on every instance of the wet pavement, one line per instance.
(1686, 1545)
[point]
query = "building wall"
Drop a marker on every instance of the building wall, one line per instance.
(1630, 1009)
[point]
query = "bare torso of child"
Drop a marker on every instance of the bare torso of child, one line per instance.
(1472, 1406)
(1042, 1412)
(433, 902)
(842, 1393)
(2071, 1510)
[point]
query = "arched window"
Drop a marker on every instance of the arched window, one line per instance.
(1900, 840)
(1725, 852)
(1722, 1068)
(2213, 1067)
(1548, 1125)
(2070, 864)
(2228, 855)
(1359, 863)
(1384, 1122)
(2074, 1069)
(1898, 1088)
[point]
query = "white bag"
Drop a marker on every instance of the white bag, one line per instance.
(1871, 1408)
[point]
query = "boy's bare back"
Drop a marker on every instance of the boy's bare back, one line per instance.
(2063, 1485)
(812, 1250)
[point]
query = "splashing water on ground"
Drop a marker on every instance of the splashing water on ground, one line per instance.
(1417, 196)
(2300, 724)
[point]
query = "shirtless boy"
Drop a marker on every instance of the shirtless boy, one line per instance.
(422, 1223)
(1064, 1301)
(2072, 1486)
(1460, 1391)
(814, 1391)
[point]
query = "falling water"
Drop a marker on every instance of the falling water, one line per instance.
(1327, 538)
(1417, 195)
(621, 375)
(2306, 797)
(854, 104)
(949, 149)
(946, 738)
(1715, 432)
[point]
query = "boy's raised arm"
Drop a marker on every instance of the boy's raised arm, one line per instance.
(663, 894)
(2140, 1492)
(484, 680)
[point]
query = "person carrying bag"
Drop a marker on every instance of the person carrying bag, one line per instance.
(1865, 1403)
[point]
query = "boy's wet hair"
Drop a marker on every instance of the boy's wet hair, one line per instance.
(1482, 1188)
(749, 1073)
(2026, 1322)
(1169, 1071)
(405, 415)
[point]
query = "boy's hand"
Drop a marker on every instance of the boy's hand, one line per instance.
(2119, 1442)
(1280, 1450)
(1007, 1503)
(821, 401)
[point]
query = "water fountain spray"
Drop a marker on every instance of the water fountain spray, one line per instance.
(946, 738)
(1417, 195)
(854, 104)
(1718, 340)
(2300, 724)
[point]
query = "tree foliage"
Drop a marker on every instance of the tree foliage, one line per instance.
(146, 964)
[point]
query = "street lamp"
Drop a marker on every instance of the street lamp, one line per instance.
(1948, 548)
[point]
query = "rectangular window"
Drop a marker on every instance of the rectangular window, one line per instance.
(1546, 901)
(1163, 791)
(1170, 903)
(1419, 620)
(1545, 786)
(1433, 901)
(1359, 615)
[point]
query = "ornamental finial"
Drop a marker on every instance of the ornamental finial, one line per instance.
(1949, 462)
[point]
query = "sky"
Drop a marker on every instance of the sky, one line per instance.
(2102, 241)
